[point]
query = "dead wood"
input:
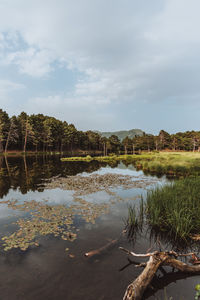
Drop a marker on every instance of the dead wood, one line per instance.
(102, 249)
(157, 259)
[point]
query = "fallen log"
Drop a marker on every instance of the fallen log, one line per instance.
(102, 249)
(136, 289)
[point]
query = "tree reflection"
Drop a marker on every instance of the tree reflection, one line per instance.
(28, 173)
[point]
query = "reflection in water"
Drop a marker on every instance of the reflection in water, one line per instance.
(58, 220)
(160, 282)
(26, 173)
(30, 173)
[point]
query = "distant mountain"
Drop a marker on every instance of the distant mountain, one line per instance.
(124, 133)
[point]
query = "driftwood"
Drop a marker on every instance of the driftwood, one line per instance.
(106, 247)
(102, 249)
(156, 260)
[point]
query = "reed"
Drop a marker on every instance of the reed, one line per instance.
(132, 223)
(135, 220)
(132, 217)
(175, 208)
(172, 210)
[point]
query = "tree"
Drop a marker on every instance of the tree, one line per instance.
(13, 134)
(37, 123)
(127, 143)
(115, 143)
(93, 139)
(47, 134)
(174, 142)
(71, 136)
(29, 134)
(104, 142)
(164, 139)
(4, 128)
(22, 118)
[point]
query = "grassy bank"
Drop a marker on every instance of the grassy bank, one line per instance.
(171, 163)
(89, 158)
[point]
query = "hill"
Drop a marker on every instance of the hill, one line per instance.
(123, 133)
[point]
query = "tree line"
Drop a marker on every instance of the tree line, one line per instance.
(180, 141)
(43, 133)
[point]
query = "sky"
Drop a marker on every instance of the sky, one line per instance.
(103, 64)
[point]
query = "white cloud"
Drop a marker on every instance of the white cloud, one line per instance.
(7, 86)
(85, 34)
(125, 50)
(32, 62)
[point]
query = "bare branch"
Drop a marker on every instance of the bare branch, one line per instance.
(142, 265)
(156, 260)
(137, 255)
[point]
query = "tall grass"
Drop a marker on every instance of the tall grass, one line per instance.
(134, 221)
(172, 210)
(175, 208)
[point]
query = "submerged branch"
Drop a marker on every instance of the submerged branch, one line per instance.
(156, 260)
(136, 255)
(102, 249)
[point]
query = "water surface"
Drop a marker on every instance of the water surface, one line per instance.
(49, 271)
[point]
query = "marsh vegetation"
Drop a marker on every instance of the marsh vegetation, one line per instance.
(172, 209)
(170, 163)
(174, 164)
(175, 208)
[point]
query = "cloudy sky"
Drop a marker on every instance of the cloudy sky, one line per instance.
(103, 64)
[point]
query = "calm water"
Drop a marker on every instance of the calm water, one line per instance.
(48, 271)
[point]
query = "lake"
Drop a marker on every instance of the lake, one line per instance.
(59, 225)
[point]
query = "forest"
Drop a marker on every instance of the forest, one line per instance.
(40, 133)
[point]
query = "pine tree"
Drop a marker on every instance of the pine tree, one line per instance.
(13, 134)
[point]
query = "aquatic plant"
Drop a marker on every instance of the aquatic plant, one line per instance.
(134, 221)
(171, 210)
(84, 185)
(57, 220)
(175, 208)
(132, 216)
